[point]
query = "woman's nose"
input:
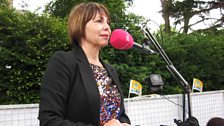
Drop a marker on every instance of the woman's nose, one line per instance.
(106, 26)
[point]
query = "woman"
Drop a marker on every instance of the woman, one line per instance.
(78, 88)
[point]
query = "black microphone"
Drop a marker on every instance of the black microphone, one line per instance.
(121, 39)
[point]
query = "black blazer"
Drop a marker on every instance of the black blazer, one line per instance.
(69, 94)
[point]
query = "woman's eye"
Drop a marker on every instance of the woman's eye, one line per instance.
(99, 20)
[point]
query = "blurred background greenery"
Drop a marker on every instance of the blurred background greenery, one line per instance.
(27, 40)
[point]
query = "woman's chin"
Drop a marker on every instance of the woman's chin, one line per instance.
(104, 44)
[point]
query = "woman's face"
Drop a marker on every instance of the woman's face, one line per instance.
(97, 31)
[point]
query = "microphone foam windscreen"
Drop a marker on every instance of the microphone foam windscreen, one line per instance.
(121, 39)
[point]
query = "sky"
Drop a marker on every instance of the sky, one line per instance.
(31, 5)
(145, 8)
(150, 10)
(140, 7)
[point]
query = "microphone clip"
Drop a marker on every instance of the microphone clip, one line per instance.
(146, 46)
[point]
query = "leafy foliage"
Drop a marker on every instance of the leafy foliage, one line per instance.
(4, 3)
(198, 55)
(61, 8)
(28, 40)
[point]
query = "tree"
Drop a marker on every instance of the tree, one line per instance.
(26, 43)
(61, 8)
(184, 11)
(6, 3)
(166, 14)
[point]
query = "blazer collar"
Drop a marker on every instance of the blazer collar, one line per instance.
(89, 83)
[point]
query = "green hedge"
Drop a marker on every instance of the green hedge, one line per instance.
(28, 40)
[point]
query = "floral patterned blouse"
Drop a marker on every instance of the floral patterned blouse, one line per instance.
(110, 98)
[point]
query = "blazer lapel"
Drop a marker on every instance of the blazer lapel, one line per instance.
(89, 83)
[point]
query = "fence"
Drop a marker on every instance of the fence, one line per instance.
(19, 115)
(162, 110)
(152, 110)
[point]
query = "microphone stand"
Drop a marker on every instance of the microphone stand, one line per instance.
(191, 121)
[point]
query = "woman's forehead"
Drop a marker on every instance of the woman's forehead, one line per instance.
(101, 15)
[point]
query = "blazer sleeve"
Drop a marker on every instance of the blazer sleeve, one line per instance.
(54, 92)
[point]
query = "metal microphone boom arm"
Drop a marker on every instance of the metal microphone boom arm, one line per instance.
(191, 121)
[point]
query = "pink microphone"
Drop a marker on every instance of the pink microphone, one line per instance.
(121, 39)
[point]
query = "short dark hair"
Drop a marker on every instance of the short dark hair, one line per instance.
(216, 121)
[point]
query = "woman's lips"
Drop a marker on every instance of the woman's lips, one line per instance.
(105, 36)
